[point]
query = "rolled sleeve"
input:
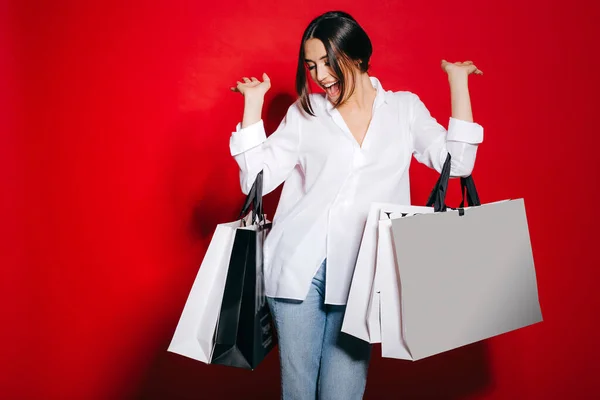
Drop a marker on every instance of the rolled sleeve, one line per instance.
(247, 138)
(465, 132)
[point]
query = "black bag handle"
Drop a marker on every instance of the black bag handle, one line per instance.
(254, 200)
(468, 185)
(437, 197)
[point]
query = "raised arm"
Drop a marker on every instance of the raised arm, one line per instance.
(276, 156)
(431, 142)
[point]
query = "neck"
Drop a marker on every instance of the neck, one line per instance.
(363, 96)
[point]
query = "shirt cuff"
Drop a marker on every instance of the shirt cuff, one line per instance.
(247, 138)
(463, 131)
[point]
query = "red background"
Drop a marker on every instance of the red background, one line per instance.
(115, 170)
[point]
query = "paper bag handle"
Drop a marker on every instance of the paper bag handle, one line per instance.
(437, 197)
(254, 200)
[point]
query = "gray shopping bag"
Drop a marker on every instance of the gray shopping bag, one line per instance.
(465, 274)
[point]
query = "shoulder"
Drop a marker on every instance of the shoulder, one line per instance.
(394, 97)
(317, 101)
(295, 111)
(403, 97)
(408, 104)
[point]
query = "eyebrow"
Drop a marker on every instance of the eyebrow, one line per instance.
(307, 60)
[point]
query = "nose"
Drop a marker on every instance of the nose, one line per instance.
(321, 72)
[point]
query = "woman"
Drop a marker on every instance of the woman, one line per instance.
(337, 152)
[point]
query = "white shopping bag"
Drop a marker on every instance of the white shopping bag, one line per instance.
(362, 318)
(388, 284)
(195, 333)
(194, 336)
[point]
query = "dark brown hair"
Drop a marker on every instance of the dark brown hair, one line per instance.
(346, 44)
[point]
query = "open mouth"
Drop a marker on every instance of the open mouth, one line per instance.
(332, 89)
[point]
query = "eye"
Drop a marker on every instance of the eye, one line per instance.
(310, 67)
(327, 63)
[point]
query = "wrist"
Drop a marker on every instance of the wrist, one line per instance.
(252, 110)
(459, 77)
(253, 101)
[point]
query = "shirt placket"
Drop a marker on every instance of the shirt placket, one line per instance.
(348, 190)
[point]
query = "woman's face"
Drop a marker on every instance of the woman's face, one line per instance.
(318, 65)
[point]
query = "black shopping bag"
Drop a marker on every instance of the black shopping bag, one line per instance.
(245, 333)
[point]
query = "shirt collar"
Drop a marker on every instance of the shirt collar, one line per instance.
(379, 97)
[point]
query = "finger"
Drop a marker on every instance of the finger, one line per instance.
(254, 79)
(239, 83)
(468, 62)
(246, 79)
(266, 77)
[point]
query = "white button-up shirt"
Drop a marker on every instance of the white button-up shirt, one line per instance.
(330, 181)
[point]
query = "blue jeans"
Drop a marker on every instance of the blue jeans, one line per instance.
(317, 360)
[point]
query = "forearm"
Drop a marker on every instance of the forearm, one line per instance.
(459, 97)
(252, 111)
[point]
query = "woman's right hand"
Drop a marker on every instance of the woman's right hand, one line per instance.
(253, 88)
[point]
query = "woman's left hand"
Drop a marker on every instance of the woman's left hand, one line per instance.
(466, 68)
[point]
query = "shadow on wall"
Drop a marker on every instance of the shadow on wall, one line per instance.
(456, 374)
(206, 215)
(452, 375)
(205, 192)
